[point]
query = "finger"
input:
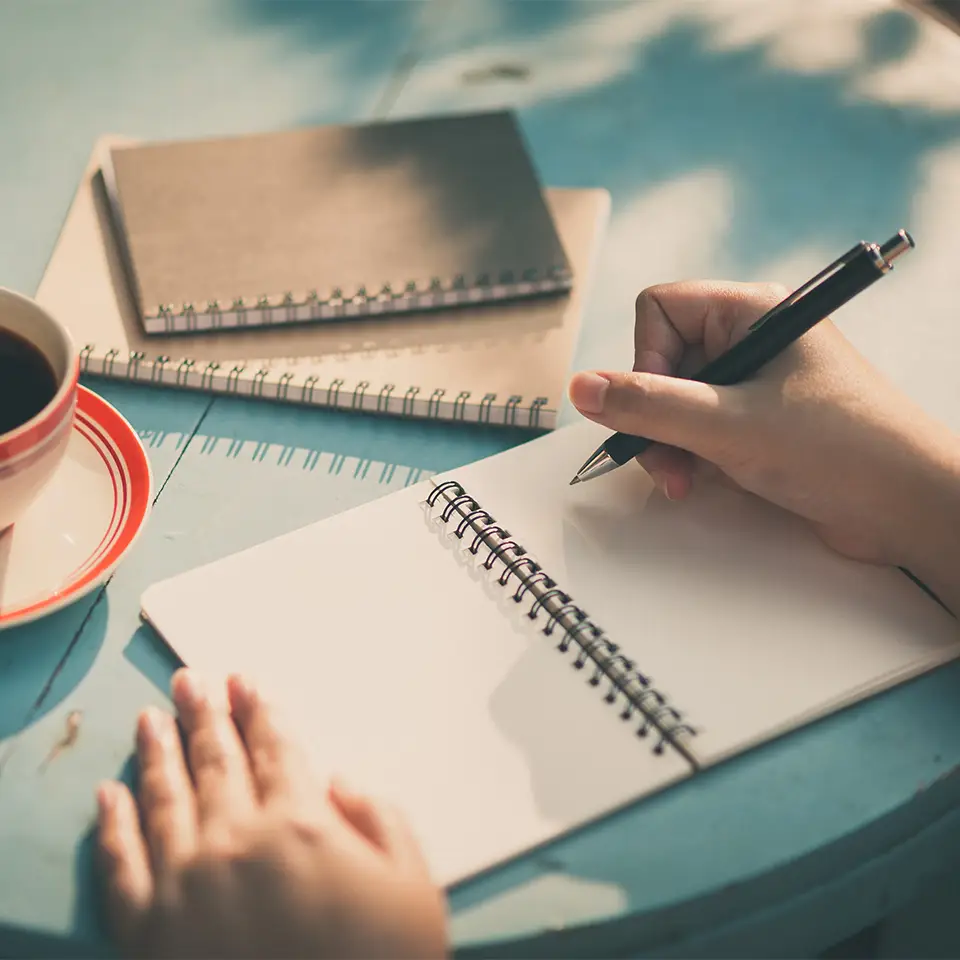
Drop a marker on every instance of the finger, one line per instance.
(694, 416)
(670, 468)
(677, 326)
(217, 759)
(277, 767)
(124, 861)
(660, 350)
(714, 475)
(165, 793)
(381, 825)
(672, 317)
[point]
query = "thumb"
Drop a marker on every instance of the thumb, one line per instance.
(672, 410)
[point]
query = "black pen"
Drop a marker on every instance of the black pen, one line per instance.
(830, 289)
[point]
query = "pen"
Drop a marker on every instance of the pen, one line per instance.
(820, 296)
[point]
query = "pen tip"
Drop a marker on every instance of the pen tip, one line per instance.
(574, 480)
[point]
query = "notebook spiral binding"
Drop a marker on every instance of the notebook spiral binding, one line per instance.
(626, 687)
(337, 303)
(275, 384)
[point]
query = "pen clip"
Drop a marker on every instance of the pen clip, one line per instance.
(800, 292)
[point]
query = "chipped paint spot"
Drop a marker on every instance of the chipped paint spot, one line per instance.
(511, 72)
(69, 738)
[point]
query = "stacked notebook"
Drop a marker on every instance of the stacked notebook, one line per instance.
(326, 222)
(413, 269)
(519, 656)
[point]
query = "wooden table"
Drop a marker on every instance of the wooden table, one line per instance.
(739, 139)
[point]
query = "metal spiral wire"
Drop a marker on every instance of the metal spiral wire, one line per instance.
(622, 683)
(360, 301)
(274, 384)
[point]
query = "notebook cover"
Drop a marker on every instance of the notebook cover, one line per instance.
(321, 222)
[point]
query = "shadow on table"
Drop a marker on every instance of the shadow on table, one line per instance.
(38, 672)
(625, 97)
(434, 445)
(791, 143)
(41, 663)
(152, 657)
(18, 942)
(89, 926)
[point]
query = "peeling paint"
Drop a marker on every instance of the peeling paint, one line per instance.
(69, 738)
(501, 71)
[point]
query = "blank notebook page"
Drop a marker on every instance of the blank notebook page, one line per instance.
(414, 673)
(402, 673)
(742, 617)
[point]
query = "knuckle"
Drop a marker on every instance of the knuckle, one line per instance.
(221, 841)
(124, 885)
(208, 872)
(157, 791)
(166, 836)
(265, 758)
(633, 394)
(302, 829)
(209, 755)
(309, 834)
(646, 297)
(112, 852)
(211, 764)
(772, 291)
(196, 713)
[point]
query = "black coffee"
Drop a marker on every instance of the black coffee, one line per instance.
(27, 381)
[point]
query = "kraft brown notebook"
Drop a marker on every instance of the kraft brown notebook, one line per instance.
(505, 365)
(321, 223)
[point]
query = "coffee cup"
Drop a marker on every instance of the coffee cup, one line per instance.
(39, 371)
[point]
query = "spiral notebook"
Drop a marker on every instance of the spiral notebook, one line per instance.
(505, 364)
(508, 657)
(319, 223)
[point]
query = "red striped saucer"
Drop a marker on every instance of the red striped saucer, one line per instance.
(84, 521)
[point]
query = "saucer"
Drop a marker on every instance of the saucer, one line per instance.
(84, 521)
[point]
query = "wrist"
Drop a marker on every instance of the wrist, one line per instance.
(929, 542)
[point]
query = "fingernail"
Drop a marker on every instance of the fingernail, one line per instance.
(106, 798)
(242, 693)
(188, 690)
(673, 488)
(242, 686)
(153, 725)
(588, 392)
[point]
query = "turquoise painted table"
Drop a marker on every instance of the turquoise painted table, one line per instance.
(737, 138)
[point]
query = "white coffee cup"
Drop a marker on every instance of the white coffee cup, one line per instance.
(31, 451)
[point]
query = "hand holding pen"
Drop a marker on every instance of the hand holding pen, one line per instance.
(818, 432)
(767, 337)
